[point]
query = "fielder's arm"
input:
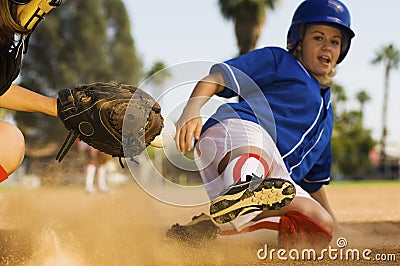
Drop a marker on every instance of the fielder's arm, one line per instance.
(21, 99)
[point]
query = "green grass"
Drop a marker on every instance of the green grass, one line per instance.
(366, 183)
(341, 183)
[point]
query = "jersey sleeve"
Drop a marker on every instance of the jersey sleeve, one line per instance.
(9, 68)
(247, 72)
(319, 174)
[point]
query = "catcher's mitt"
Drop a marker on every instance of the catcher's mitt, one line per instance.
(95, 114)
(199, 229)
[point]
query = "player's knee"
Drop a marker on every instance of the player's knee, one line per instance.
(246, 164)
(313, 210)
(12, 147)
(325, 220)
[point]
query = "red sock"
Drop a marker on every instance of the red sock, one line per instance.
(296, 229)
(3, 174)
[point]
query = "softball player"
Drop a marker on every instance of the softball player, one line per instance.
(18, 18)
(95, 167)
(275, 142)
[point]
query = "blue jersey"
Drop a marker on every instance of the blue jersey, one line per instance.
(277, 92)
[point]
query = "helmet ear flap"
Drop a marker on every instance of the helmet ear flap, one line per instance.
(295, 36)
(292, 38)
(345, 46)
(345, 42)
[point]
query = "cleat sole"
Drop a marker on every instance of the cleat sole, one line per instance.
(270, 194)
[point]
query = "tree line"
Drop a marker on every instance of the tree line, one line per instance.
(90, 41)
(80, 42)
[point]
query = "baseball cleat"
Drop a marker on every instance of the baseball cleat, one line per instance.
(200, 228)
(245, 197)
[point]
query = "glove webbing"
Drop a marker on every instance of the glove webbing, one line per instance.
(72, 135)
(66, 146)
(70, 140)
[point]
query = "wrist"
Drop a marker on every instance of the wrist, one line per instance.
(50, 107)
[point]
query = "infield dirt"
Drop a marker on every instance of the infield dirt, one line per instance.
(66, 226)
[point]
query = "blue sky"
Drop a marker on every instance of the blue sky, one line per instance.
(178, 31)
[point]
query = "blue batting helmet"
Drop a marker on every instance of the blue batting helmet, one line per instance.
(329, 12)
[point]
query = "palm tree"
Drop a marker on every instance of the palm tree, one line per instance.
(390, 57)
(156, 77)
(339, 99)
(362, 98)
(156, 74)
(249, 17)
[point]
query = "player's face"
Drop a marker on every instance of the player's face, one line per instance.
(320, 50)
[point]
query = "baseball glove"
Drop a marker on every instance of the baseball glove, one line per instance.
(120, 120)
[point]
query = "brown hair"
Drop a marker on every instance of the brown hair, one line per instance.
(8, 23)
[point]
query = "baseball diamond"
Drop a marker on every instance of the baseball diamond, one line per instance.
(64, 224)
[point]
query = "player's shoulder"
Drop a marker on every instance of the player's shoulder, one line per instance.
(278, 54)
(276, 50)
